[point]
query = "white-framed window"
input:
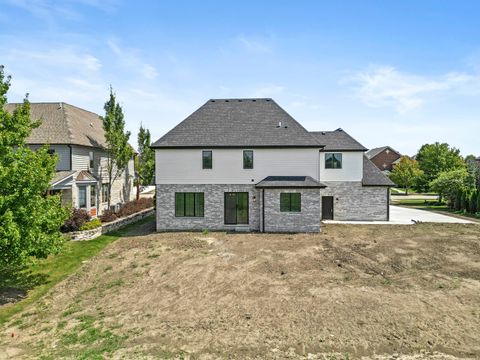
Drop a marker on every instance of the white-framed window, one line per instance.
(91, 157)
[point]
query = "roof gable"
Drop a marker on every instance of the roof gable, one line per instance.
(372, 176)
(376, 151)
(337, 140)
(238, 123)
(64, 124)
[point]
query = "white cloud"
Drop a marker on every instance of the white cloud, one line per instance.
(383, 86)
(255, 45)
(267, 91)
(53, 10)
(130, 59)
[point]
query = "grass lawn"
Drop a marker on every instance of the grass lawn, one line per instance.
(38, 278)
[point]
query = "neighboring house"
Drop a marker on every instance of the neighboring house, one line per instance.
(384, 157)
(76, 136)
(246, 164)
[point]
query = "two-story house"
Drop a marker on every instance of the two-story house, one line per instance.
(246, 164)
(76, 136)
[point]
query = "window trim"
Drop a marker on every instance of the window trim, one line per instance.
(104, 187)
(203, 159)
(91, 159)
(93, 195)
(290, 202)
(243, 158)
(334, 159)
(83, 187)
(185, 206)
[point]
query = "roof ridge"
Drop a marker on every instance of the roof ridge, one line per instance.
(67, 121)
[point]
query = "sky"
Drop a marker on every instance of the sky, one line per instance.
(398, 73)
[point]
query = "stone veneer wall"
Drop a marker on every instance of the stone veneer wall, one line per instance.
(307, 220)
(352, 201)
(213, 218)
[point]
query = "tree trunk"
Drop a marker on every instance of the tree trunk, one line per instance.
(406, 190)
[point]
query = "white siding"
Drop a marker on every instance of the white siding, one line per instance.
(63, 153)
(184, 166)
(352, 167)
(80, 158)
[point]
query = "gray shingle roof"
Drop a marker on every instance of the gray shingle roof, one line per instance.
(238, 123)
(289, 182)
(64, 124)
(61, 175)
(375, 151)
(372, 176)
(337, 140)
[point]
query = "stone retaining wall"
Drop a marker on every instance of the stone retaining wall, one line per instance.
(111, 226)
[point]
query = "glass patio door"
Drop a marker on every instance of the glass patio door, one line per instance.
(236, 208)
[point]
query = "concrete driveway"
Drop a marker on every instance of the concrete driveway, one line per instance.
(407, 216)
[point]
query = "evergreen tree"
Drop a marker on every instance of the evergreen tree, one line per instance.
(119, 151)
(29, 220)
(146, 157)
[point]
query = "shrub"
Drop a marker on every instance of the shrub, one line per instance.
(135, 206)
(108, 216)
(92, 224)
(78, 217)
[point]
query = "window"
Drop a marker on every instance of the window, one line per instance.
(82, 197)
(206, 159)
(248, 159)
(189, 204)
(91, 157)
(93, 196)
(104, 192)
(333, 160)
(290, 202)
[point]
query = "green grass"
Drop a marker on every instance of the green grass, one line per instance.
(41, 276)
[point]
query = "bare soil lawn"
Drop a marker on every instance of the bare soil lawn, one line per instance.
(352, 291)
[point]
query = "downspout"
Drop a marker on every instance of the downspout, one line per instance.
(388, 203)
(263, 210)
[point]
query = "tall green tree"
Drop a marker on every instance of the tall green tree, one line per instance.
(146, 157)
(473, 168)
(119, 152)
(405, 173)
(29, 219)
(434, 159)
(449, 183)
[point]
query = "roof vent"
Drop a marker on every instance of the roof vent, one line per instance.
(227, 100)
(286, 127)
(239, 100)
(279, 125)
(267, 99)
(212, 100)
(339, 129)
(91, 125)
(254, 100)
(323, 132)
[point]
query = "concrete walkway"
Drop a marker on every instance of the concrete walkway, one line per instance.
(407, 216)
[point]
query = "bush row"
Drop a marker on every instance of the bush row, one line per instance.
(80, 219)
(467, 200)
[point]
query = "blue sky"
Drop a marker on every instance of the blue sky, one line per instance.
(401, 73)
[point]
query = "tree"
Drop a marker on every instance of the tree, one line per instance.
(473, 169)
(30, 220)
(146, 157)
(405, 173)
(449, 183)
(434, 159)
(119, 152)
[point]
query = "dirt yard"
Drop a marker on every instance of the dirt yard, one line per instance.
(382, 292)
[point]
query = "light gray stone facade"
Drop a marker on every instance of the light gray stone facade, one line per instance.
(307, 220)
(354, 202)
(213, 218)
